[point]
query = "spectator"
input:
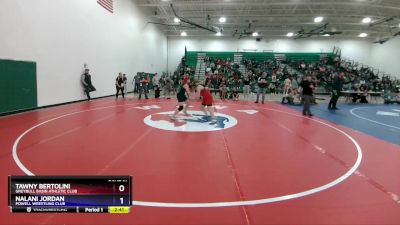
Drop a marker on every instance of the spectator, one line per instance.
(207, 83)
(337, 86)
(223, 90)
(168, 88)
(86, 80)
(271, 88)
(307, 87)
(156, 85)
(262, 86)
(162, 81)
(125, 83)
(361, 93)
(144, 80)
(287, 85)
(155, 81)
(246, 87)
(364, 94)
(147, 83)
(295, 87)
(119, 85)
(273, 85)
(288, 97)
(136, 83)
(235, 93)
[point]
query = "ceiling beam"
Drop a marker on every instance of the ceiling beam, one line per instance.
(299, 24)
(256, 4)
(276, 36)
(266, 31)
(333, 15)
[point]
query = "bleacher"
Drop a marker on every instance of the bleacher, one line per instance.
(196, 60)
(192, 56)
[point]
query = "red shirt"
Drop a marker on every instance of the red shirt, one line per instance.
(207, 97)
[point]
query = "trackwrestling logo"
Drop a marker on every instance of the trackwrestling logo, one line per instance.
(196, 122)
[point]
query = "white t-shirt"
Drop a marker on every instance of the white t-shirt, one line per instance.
(288, 82)
(156, 81)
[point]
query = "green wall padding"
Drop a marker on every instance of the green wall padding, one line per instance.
(18, 89)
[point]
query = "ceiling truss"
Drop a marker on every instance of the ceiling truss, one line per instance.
(275, 18)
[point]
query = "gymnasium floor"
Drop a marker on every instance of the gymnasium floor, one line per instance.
(260, 164)
(379, 120)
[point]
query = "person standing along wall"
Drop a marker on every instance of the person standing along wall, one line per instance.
(148, 80)
(156, 85)
(143, 86)
(156, 81)
(119, 85)
(136, 83)
(125, 83)
(86, 80)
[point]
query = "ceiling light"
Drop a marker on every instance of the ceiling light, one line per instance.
(183, 34)
(366, 20)
(222, 19)
(218, 33)
(290, 34)
(177, 20)
(318, 19)
(255, 34)
(326, 35)
(363, 35)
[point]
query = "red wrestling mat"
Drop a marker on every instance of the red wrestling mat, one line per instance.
(260, 164)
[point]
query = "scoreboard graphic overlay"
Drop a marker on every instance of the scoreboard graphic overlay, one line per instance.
(70, 194)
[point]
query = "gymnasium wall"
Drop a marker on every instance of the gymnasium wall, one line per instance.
(62, 35)
(386, 57)
(358, 50)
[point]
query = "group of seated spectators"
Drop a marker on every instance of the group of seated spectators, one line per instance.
(223, 76)
(354, 76)
(359, 80)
